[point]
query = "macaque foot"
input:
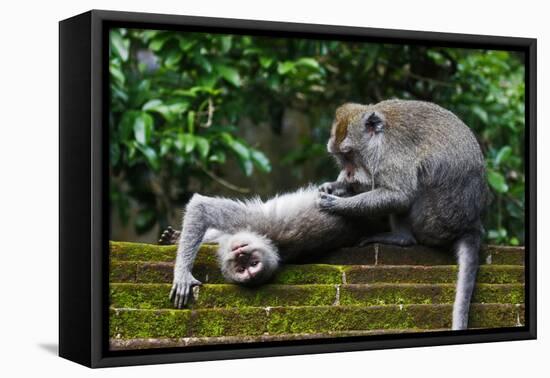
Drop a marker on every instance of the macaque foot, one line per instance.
(400, 239)
(169, 236)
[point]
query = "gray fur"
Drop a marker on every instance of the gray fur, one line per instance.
(421, 164)
(280, 229)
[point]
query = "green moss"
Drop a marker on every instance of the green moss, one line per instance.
(336, 319)
(267, 295)
(309, 274)
(149, 323)
(493, 316)
(501, 274)
(399, 274)
(141, 252)
(499, 293)
(229, 322)
(421, 255)
(208, 273)
(291, 320)
(149, 296)
(151, 252)
(122, 271)
(386, 255)
(140, 296)
(126, 324)
(155, 272)
(430, 274)
(382, 294)
(162, 272)
(504, 255)
(303, 298)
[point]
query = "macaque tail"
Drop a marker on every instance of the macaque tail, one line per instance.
(467, 253)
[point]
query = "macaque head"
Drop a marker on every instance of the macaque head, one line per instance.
(355, 128)
(247, 258)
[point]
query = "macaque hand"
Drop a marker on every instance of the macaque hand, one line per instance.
(182, 289)
(328, 202)
(335, 188)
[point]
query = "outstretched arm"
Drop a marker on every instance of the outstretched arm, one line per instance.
(201, 214)
(375, 202)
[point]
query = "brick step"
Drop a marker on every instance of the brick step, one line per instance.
(155, 296)
(376, 254)
(165, 342)
(297, 274)
(260, 321)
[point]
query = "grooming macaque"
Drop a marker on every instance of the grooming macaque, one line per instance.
(420, 164)
(255, 236)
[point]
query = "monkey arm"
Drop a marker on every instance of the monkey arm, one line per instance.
(346, 187)
(379, 201)
(201, 214)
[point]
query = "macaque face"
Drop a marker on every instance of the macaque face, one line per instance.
(346, 161)
(356, 137)
(247, 258)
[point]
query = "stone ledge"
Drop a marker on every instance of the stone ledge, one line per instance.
(376, 254)
(162, 272)
(153, 343)
(258, 321)
(155, 296)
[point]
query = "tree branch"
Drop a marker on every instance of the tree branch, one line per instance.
(223, 182)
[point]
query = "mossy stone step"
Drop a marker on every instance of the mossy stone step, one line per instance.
(158, 272)
(127, 251)
(257, 321)
(165, 342)
(299, 274)
(155, 296)
(376, 254)
(381, 254)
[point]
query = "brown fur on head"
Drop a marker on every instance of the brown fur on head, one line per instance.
(345, 115)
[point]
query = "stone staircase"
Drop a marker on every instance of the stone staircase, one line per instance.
(354, 291)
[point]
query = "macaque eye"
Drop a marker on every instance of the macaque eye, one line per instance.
(253, 263)
(240, 269)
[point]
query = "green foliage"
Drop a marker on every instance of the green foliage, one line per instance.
(173, 117)
(178, 99)
(494, 89)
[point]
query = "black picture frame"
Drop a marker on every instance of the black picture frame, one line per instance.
(83, 197)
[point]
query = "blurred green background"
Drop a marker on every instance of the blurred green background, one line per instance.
(240, 115)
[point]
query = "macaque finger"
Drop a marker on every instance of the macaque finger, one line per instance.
(186, 295)
(172, 293)
(181, 302)
(179, 297)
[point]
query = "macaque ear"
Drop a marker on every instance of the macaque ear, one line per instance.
(374, 122)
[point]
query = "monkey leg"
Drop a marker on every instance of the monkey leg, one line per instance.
(394, 238)
(169, 236)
